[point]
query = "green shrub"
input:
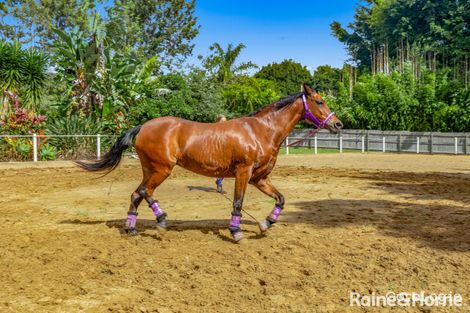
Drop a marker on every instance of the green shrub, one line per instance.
(48, 152)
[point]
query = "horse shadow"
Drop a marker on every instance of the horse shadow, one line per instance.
(441, 220)
(443, 227)
(432, 208)
(204, 188)
(146, 227)
(201, 188)
(425, 185)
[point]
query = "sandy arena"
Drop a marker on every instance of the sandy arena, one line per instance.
(370, 223)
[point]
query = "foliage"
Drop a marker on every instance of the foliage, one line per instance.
(222, 63)
(154, 28)
(194, 97)
(206, 96)
(399, 102)
(34, 22)
(21, 121)
(73, 125)
(78, 61)
(248, 94)
(48, 152)
(326, 78)
(418, 53)
(287, 75)
(22, 74)
(391, 28)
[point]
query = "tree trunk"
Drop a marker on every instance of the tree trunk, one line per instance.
(5, 105)
(350, 81)
(466, 72)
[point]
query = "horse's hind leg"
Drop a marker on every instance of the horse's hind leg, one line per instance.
(265, 186)
(136, 199)
(146, 192)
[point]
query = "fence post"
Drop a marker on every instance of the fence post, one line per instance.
(456, 145)
(417, 144)
(316, 145)
(383, 144)
(98, 146)
(340, 144)
(465, 145)
(431, 144)
(287, 145)
(35, 148)
(310, 144)
(367, 140)
(362, 143)
(399, 143)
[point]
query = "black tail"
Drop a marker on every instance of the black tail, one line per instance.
(111, 159)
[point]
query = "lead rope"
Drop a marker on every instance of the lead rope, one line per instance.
(231, 201)
(314, 132)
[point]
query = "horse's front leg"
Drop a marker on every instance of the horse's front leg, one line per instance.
(242, 176)
(267, 187)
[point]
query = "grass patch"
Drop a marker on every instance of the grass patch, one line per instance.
(296, 150)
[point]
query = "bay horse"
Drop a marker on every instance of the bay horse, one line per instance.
(245, 148)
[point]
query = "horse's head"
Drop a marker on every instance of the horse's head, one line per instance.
(317, 112)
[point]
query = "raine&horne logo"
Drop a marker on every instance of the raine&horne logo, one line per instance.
(405, 299)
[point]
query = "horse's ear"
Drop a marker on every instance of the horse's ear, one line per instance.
(309, 91)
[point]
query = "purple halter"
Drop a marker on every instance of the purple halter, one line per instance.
(309, 116)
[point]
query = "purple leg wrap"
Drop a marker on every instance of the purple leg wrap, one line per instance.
(131, 220)
(235, 222)
(275, 213)
(159, 213)
(218, 181)
(157, 210)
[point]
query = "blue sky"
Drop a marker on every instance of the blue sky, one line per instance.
(275, 30)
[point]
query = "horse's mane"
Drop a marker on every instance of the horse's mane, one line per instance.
(278, 104)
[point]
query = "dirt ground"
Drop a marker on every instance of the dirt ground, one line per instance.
(369, 223)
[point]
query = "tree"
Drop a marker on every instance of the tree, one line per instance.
(34, 22)
(326, 79)
(222, 63)
(287, 75)
(77, 58)
(248, 94)
(154, 28)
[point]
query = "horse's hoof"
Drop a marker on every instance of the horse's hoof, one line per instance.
(131, 231)
(237, 236)
(161, 225)
(264, 225)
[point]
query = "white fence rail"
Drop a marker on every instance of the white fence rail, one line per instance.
(385, 141)
(36, 140)
(360, 140)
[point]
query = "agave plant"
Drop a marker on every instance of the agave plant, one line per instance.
(22, 75)
(72, 145)
(34, 78)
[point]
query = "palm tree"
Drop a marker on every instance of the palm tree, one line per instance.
(222, 62)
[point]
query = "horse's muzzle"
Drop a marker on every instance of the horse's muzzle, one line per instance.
(335, 127)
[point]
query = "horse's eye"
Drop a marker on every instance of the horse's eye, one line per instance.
(318, 101)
